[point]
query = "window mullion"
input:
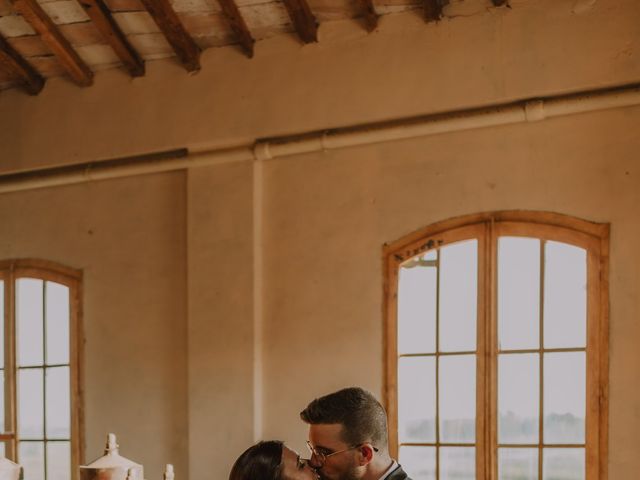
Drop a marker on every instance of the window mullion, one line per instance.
(491, 376)
(44, 374)
(541, 359)
(10, 391)
(438, 366)
(482, 361)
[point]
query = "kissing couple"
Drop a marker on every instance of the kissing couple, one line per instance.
(347, 441)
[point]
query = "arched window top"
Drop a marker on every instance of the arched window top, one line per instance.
(544, 225)
(42, 269)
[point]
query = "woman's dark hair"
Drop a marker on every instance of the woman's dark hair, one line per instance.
(262, 461)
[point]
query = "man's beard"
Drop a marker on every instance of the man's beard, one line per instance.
(350, 474)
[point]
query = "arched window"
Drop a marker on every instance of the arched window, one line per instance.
(39, 368)
(497, 348)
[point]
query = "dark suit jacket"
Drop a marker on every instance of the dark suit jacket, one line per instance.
(398, 474)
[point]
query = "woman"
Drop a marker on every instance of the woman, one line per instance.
(271, 461)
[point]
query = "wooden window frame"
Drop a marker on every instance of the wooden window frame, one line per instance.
(10, 271)
(487, 227)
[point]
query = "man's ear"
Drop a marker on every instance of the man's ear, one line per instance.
(366, 454)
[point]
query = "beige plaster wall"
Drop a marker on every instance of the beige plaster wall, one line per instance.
(330, 213)
(220, 329)
(128, 238)
(168, 268)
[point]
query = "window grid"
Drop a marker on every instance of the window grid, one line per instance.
(10, 272)
(44, 367)
(540, 351)
(544, 226)
(438, 444)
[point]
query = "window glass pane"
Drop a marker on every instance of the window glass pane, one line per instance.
(457, 463)
(58, 461)
(458, 296)
(57, 317)
(430, 255)
(458, 399)
(565, 296)
(31, 457)
(518, 398)
(419, 462)
(30, 404)
(417, 399)
(564, 397)
(58, 403)
(518, 293)
(2, 324)
(563, 464)
(29, 321)
(518, 464)
(417, 309)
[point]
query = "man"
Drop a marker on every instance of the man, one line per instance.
(348, 437)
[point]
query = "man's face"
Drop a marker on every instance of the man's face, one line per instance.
(327, 439)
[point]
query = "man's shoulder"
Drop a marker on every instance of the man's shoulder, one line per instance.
(398, 474)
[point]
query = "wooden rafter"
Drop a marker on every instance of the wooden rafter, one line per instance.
(57, 43)
(105, 24)
(238, 25)
(169, 23)
(303, 20)
(369, 14)
(433, 9)
(19, 68)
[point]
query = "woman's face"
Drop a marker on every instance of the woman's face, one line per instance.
(295, 468)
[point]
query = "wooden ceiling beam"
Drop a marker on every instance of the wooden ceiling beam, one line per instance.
(433, 9)
(369, 14)
(178, 37)
(102, 19)
(303, 20)
(57, 43)
(238, 25)
(16, 66)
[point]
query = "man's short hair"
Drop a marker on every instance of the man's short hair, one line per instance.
(362, 416)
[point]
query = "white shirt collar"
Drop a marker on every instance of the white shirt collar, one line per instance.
(390, 470)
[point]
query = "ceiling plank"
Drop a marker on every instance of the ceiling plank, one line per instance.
(303, 20)
(369, 14)
(101, 17)
(178, 37)
(16, 66)
(57, 43)
(238, 25)
(433, 9)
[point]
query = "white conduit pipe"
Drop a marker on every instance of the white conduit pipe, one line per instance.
(258, 301)
(97, 172)
(525, 111)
